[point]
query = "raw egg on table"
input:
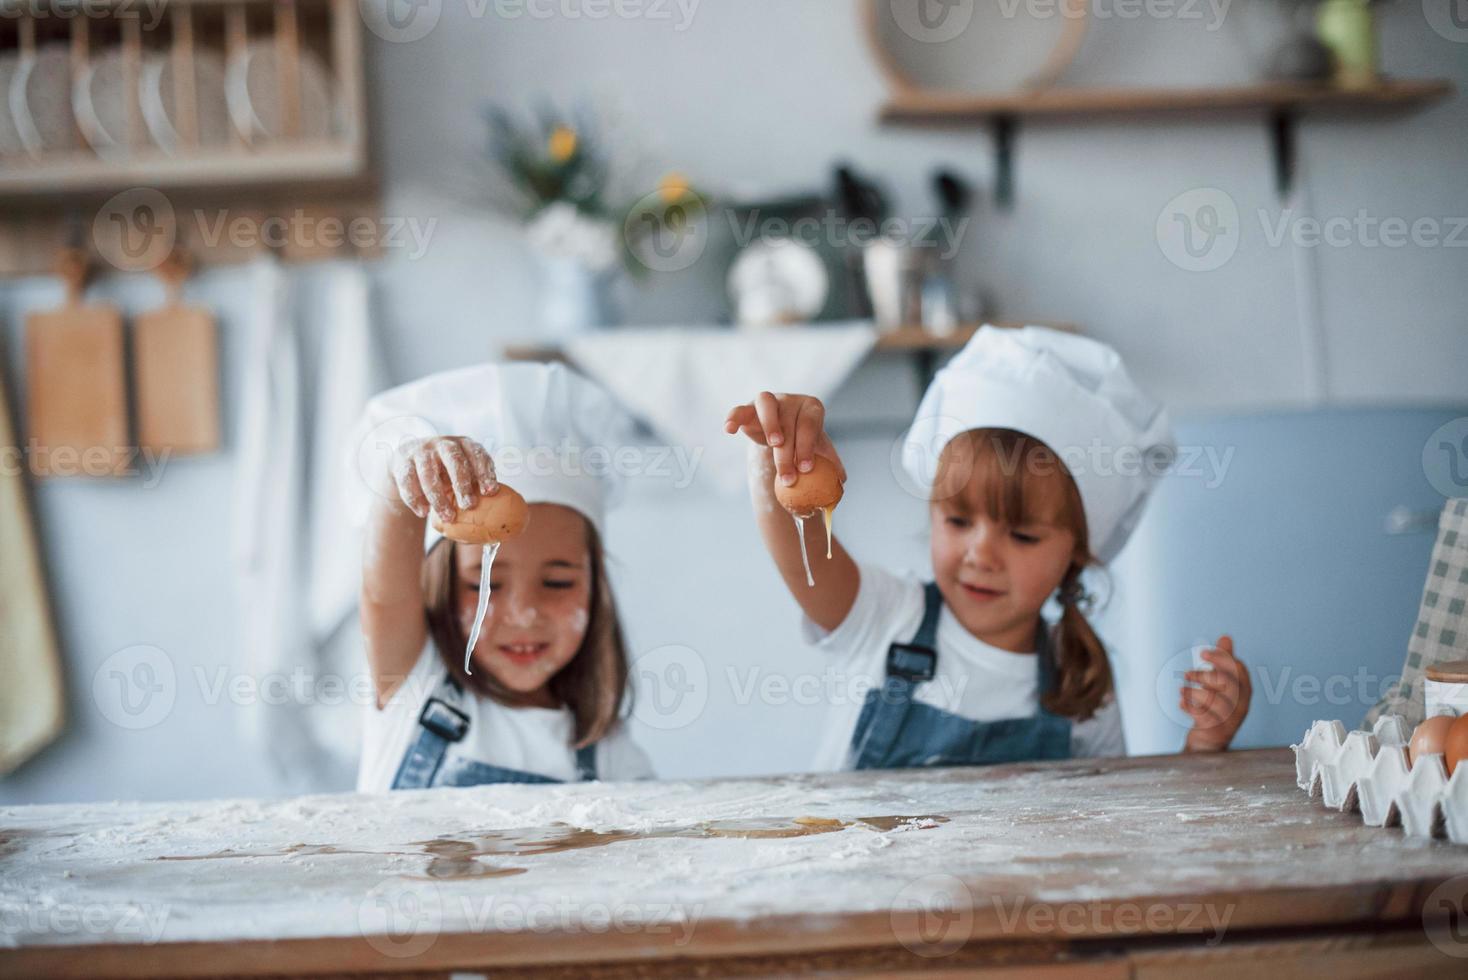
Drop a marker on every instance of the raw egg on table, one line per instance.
(1455, 744)
(818, 490)
(1428, 737)
(495, 518)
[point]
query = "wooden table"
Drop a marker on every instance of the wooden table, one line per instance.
(1213, 866)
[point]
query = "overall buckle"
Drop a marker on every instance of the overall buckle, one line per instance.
(443, 720)
(911, 662)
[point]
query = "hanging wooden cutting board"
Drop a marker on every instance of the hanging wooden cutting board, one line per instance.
(176, 373)
(31, 702)
(76, 379)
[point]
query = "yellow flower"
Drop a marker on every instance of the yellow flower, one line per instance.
(562, 143)
(673, 187)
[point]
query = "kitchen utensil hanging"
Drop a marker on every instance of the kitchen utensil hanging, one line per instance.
(176, 371)
(76, 383)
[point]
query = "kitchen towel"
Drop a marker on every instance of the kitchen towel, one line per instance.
(682, 382)
(31, 700)
(1441, 631)
(311, 363)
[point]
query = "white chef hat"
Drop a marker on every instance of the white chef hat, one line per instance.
(1070, 392)
(552, 433)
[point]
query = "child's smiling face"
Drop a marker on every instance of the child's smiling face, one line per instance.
(540, 600)
(1004, 539)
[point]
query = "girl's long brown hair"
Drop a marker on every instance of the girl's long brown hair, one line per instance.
(1016, 479)
(594, 684)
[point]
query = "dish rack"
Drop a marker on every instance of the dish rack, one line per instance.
(254, 105)
(1370, 772)
(118, 91)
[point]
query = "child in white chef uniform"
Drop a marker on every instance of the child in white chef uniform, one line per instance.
(1036, 453)
(543, 700)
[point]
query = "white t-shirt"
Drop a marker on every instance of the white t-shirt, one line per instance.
(972, 678)
(534, 740)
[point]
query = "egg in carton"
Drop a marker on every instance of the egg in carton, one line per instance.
(1374, 773)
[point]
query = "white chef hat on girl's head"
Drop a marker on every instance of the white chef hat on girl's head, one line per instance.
(1071, 393)
(553, 434)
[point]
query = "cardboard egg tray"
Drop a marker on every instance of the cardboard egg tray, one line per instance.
(1369, 772)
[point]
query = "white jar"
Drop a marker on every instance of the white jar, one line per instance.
(1446, 690)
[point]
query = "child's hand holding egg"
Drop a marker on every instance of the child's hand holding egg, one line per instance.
(808, 474)
(497, 517)
(793, 427)
(452, 478)
(443, 475)
(815, 490)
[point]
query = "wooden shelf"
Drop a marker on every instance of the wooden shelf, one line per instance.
(922, 345)
(924, 108)
(902, 340)
(63, 175)
(909, 339)
(1282, 103)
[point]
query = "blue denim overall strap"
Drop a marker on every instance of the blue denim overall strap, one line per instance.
(894, 731)
(442, 723)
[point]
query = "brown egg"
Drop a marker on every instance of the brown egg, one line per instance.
(503, 514)
(1428, 737)
(821, 487)
(1455, 744)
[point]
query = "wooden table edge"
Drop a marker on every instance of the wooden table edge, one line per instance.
(1293, 911)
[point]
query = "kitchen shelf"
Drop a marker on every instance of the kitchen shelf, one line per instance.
(906, 340)
(922, 345)
(919, 108)
(202, 169)
(1282, 103)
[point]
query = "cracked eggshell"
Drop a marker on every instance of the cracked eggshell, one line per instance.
(501, 515)
(810, 492)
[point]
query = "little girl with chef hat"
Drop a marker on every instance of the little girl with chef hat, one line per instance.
(1036, 453)
(543, 701)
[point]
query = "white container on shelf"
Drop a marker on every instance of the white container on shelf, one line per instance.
(1445, 690)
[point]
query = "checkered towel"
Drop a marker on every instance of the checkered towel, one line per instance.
(1441, 633)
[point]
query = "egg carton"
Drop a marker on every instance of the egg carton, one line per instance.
(1370, 772)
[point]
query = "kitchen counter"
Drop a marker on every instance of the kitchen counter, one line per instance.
(1122, 867)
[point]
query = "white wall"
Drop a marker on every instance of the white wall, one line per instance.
(762, 96)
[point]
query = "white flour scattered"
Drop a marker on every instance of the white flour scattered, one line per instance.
(680, 851)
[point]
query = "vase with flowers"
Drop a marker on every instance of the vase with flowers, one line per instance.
(577, 204)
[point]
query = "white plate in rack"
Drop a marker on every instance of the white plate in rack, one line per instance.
(40, 100)
(100, 98)
(160, 108)
(256, 101)
(10, 144)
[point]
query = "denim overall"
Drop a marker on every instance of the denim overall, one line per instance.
(894, 731)
(440, 725)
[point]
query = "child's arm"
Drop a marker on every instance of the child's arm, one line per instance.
(787, 431)
(444, 473)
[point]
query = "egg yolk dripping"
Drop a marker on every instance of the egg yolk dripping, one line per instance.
(490, 550)
(800, 533)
